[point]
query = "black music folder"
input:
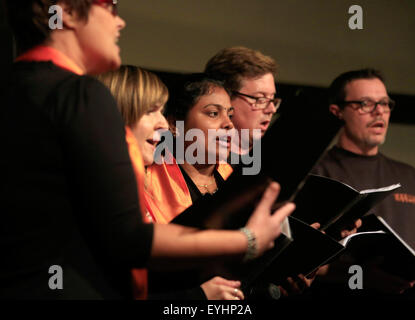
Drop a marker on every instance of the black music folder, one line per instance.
(392, 253)
(334, 204)
(308, 250)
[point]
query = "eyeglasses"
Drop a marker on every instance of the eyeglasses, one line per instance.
(111, 5)
(260, 103)
(368, 106)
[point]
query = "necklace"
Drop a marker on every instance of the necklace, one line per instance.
(193, 174)
(205, 185)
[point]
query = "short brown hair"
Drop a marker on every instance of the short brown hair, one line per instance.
(29, 20)
(135, 90)
(337, 90)
(233, 64)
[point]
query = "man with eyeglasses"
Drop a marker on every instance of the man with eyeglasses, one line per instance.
(249, 76)
(365, 107)
(360, 99)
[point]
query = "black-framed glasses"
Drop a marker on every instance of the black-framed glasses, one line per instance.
(111, 5)
(368, 106)
(260, 103)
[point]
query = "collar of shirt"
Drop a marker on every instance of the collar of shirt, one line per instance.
(45, 53)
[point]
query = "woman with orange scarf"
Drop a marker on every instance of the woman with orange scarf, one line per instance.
(199, 112)
(141, 97)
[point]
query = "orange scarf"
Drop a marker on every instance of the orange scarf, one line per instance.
(139, 276)
(167, 194)
(138, 167)
(44, 53)
(166, 197)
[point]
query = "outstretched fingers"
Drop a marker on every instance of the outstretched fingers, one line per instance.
(280, 214)
(269, 196)
(267, 226)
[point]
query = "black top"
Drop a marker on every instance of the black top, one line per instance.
(68, 191)
(367, 172)
(180, 285)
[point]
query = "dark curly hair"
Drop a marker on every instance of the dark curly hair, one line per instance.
(187, 91)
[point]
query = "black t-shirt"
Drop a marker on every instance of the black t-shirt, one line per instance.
(367, 172)
(68, 191)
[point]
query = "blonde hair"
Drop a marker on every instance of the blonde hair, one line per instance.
(135, 90)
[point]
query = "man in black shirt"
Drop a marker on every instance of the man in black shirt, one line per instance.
(360, 99)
